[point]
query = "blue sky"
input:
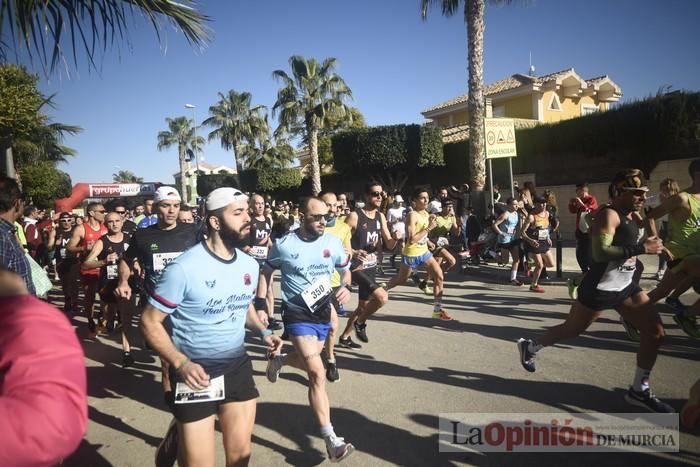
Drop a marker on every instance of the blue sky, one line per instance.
(395, 63)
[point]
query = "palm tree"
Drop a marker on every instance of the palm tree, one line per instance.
(313, 94)
(40, 27)
(474, 19)
(181, 133)
(126, 176)
(236, 123)
(269, 156)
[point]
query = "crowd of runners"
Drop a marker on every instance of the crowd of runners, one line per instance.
(199, 277)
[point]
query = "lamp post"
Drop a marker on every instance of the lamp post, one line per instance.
(194, 148)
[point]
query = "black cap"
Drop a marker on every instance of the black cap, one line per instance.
(540, 199)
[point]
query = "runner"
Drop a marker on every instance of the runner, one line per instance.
(508, 227)
(185, 215)
(609, 284)
(128, 227)
(150, 250)
(416, 254)
(307, 259)
(535, 234)
(369, 235)
(149, 218)
(439, 238)
(105, 255)
(67, 265)
(84, 238)
(396, 217)
(342, 206)
(259, 244)
(206, 292)
(139, 213)
(342, 232)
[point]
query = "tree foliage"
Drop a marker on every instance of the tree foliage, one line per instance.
(126, 176)
(20, 103)
(353, 119)
(43, 183)
(180, 133)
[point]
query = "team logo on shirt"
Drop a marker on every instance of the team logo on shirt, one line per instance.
(154, 247)
(295, 255)
(246, 279)
(210, 284)
(326, 253)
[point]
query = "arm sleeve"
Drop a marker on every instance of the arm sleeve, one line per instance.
(603, 249)
(170, 289)
(43, 404)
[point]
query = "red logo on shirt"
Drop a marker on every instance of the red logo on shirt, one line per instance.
(246, 279)
(326, 253)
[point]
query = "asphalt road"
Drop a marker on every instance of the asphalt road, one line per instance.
(414, 368)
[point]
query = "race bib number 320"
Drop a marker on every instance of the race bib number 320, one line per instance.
(314, 294)
(160, 260)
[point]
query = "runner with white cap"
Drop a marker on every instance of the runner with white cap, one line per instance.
(207, 292)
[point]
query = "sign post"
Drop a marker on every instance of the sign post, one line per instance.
(500, 143)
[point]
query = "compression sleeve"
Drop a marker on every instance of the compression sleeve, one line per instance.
(604, 250)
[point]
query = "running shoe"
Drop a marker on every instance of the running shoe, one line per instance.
(442, 315)
(573, 289)
(688, 324)
(676, 305)
(659, 275)
(92, 328)
(332, 374)
(274, 365)
(341, 310)
(166, 454)
(536, 288)
(632, 332)
(127, 360)
(338, 449)
(647, 400)
(527, 358)
(425, 288)
(274, 324)
(348, 343)
(361, 331)
(516, 282)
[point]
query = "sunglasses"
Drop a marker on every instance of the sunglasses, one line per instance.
(64, 220)
(100, 211)
(376, 194)
(318, 217)
(120, 212)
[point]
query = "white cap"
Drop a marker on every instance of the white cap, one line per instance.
(398, 198)
(166, 193)
(434, 207)
(223, 197)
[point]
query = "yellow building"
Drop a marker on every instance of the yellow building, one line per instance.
(532, 100)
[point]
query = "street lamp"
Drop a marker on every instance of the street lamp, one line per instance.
(194, 148)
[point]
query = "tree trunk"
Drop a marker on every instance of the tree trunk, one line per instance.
(183, 168)
(238, 157)
(474, 18)
(315, 166)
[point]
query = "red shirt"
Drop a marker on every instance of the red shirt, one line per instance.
(43, 393)
(575, 207)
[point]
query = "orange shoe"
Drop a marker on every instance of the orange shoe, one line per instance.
(537, 288)
(442, 315)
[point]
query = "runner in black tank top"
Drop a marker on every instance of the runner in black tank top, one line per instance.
(67, 265)
(369, 235)
(610, 284)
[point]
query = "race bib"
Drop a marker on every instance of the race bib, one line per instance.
(422, 241)
(630, 265)
(315, 293)
(63, 253)
(442, 241)
(258, 252)
(186, 395)
(160, 260)
(112, 271)
(510, 231)
(543, 234)
(370, 261)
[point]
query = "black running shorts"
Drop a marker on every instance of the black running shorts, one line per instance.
(238, 385)
(366, 282)
(599, 300)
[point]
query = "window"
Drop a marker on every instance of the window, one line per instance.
(499, 111)
(554, 103)
(589, 109)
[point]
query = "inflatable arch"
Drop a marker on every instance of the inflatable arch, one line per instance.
(104, 190)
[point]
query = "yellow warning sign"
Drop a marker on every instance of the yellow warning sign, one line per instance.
(500, 138)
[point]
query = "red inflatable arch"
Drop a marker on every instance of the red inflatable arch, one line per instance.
(104, 190)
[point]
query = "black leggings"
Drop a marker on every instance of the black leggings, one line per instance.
(584, 253)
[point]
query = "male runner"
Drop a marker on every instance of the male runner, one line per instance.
(151, 249)
(207, 293)
(128, 227)
(438, 239)
(84, 238)
(149, 218)
(139, 213)
(67, 265)
(396, 217)
(609, 283)
(342, 206)
(259, 244)
(369, 229)
(185, 216)
(105, 255)
(307, 258)
(342, 232)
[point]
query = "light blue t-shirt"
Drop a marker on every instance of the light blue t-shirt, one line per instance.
(508, 228)
(207, 299)
(303, 262)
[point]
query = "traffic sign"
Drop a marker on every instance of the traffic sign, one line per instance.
(500, 138)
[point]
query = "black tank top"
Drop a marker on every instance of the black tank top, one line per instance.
(109, 272)
(62, 239)
(367, 235)
(259, 232)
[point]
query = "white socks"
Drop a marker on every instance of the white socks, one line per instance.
(641, 380)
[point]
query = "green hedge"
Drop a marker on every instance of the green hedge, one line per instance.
(403, 147)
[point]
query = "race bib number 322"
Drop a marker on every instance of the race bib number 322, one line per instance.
(160, 260)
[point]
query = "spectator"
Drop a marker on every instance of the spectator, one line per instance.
(11, 251)
(43, 400)
(581, 205)
(35, 241)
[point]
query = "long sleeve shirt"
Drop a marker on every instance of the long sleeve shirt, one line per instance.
(12, 254)
(590, 204)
